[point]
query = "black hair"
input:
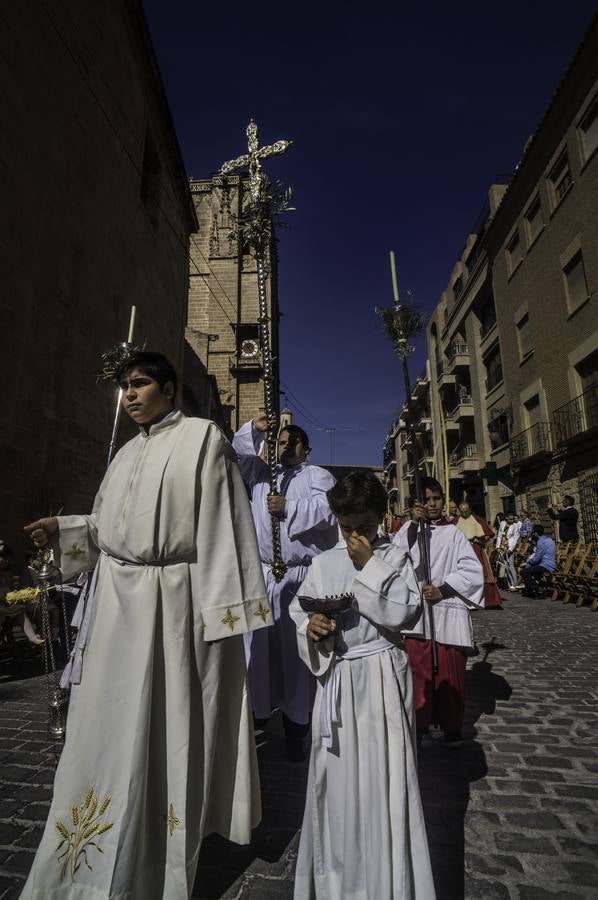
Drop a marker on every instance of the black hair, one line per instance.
(570, 499)
(431, 484)
(295, 432)
(538, 529)
(153, 364)
(357, 492)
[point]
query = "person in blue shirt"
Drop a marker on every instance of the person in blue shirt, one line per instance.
(541, 562)
(527, 526)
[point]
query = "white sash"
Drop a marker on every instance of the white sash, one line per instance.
(330, 708)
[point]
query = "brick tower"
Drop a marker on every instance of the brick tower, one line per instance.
(222, 325)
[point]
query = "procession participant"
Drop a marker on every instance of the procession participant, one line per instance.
(159, 745)
(453, 511)
(457, 582)
(277, 678)
(362, 785)
(513, 532)
(567, 519)
(478, 533)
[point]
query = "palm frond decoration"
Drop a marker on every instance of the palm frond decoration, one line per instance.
(403, 323)
(113, 359)
(273, 203)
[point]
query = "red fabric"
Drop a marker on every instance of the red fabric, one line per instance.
(492, 598)
(446, 705)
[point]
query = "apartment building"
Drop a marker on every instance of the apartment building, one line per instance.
(513, 341)
(543, 242)
(398, 455)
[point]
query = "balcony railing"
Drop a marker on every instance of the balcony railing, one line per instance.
(464, 451)
(577, 416)
(458, 349)
(462, 408)
(533, 441)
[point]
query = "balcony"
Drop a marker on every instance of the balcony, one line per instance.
(577, 417)
(444, 377)
(464, 458)
(533, 442)
(464, 409)
(458, 357)
(450, 423)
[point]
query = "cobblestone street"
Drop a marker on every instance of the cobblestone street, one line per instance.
(511, 816)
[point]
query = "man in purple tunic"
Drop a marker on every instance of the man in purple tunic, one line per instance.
(307, 527)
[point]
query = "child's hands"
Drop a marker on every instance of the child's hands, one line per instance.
(320, 626)
(359, 549)
(431, 593)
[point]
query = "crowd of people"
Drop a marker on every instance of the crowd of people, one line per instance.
(188, 641)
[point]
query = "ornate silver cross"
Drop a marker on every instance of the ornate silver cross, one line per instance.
(252, 159)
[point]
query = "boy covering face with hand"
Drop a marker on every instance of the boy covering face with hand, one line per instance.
(362, 772)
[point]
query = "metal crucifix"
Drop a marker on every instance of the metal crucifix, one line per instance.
(257, 219)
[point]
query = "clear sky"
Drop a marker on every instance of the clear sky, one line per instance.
(401, 116)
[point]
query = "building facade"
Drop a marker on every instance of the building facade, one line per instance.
(544, 245)
(95, 217)
(513, 341)
(223, 299)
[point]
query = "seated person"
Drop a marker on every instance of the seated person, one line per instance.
(541, 562)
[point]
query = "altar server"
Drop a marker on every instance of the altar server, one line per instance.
(363, 831)
(276, 675)
(456, 586)
(159, 746)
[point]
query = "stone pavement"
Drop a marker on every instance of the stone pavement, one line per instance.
(511, 816)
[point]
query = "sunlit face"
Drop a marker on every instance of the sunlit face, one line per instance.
(291, 449)
(364, 524)
(434, 503)
(465, 510)
(143, 399)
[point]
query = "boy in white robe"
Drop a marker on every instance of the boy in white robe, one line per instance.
(277, 677)
(159, 746)
(455, 587)
(363, 831)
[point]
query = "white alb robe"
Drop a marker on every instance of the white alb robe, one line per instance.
(456, 569)
(363, 833)
(159, 748)
(277, 676)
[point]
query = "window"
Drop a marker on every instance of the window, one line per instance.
(493, 363)
(534, 221)
(458, 287)
(587, 370)
(524, 337)
(487, 317)
(589, 129)
(498, 429)
(560, 179)
(532, 410)
(576, 284)
(514, 252)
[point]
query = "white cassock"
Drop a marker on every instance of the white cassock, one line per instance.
(363, 833)
(276, 674)
(159, 748)
(457, 571)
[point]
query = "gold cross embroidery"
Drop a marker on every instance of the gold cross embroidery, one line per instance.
(230, 620)
(172, 821)
(74, 552)
(262, 612)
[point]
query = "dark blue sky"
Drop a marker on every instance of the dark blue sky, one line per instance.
(402, 115)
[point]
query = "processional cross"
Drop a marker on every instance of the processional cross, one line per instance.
(258, 222)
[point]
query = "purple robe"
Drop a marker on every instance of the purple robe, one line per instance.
(276, 674)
